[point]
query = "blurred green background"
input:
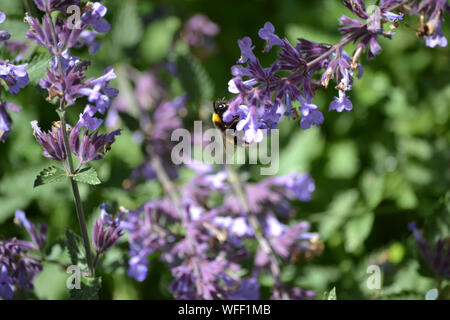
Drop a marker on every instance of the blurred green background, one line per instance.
(376, 169)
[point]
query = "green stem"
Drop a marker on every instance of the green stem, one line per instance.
(76, 192)
(74, 184)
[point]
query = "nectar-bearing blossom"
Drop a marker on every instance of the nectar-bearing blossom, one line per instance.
(213, 240)
(436, 254)
(5, 119)
(107, 230)
(4, 34)
(264, 95)
(17, 268)
(16, 78)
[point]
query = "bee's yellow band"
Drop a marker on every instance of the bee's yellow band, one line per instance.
(216, 118)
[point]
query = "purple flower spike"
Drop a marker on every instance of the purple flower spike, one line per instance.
(52, 141)
(92, 146)
(37, 234)
(342, 103)
(107, 230)
(436, 255)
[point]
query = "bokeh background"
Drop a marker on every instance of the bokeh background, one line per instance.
(377, 168)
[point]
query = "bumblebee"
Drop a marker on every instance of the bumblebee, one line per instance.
(228, 129)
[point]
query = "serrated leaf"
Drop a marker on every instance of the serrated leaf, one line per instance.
(75, 248)
(50, 175)
(89, 288)
(194, 78)
(88, 176)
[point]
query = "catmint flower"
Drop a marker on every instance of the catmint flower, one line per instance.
(15, 77)
(94, 17)
(5, 119)
(38, 234)
(52, 141)
(4, 35)
(198, 31)
(107, 230)
(197, 278)
(53, 5)
(432, 15)
(248, 290)
(437, 39)
(92, 146)
(436, 255)
(286, 292)
(342, 103)
(17, 269)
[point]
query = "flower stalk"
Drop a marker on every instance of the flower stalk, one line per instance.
(76, 193)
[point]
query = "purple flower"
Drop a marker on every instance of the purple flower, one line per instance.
(199, 30)
(52, 141)
(437, 39)
(38, 234)
(98, 90)
(199, 279)
(6, 284)
(15, 77)
(342, 103)
(53, 5)
(94, 17)
(5, 119)
(286, 292)
(107, 230)
(17, 269)
(4, 35)
(92, 146)
(297, 186)
(248, 290)
(436, 255)
(315, 118)
(268, 33)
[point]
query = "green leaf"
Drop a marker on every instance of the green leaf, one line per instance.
(127, 29)
(89, 289)
(194, 78)
(37, 67)
(88, 176)
(50, 175)
(75, 247)
(372, 187)
(158, 38)
(343, 160)
(357, 230)
(330, 295)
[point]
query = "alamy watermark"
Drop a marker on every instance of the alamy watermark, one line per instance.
(219, 148)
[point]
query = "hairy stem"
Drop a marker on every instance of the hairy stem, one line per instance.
(76, 193)
(235, 182)
(74, 184)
